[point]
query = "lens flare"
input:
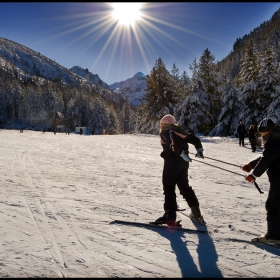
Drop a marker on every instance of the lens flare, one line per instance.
(126, 13)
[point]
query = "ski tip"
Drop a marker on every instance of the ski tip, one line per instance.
(176, 224)
(256, 240)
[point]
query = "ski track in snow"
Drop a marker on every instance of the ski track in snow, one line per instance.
(60, 193)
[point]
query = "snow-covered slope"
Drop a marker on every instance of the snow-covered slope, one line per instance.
(132, 88)
(27, 64)
(59, 194)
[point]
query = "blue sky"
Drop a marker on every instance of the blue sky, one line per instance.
(85, 34)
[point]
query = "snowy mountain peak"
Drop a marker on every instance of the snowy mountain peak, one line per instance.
(140, 75)
(132, 88)
(93, 78)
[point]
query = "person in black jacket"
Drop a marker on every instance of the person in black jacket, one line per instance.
(269, 162)
(252, 132)
(241, 130)
(175, 152)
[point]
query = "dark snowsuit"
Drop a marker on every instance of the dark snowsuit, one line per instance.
(175, 169)
(270, 162)
(241, 130)
(252, 138)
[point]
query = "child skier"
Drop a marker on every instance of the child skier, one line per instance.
(269, 162)
(174, 142)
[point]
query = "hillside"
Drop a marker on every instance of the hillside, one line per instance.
(25, 64)
(267, 32)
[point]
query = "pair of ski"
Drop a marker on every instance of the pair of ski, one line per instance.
(176, 227)
(179, 227)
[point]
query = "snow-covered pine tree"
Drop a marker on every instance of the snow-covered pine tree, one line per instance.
(193, 112)
(3, 112)
(208, 79)
(126, 116)
(269, 81)
(231, 108)
(175, 75)
(98, 118)
(159, 98)
(273, 109)
(51, 99)
(80, 109)
(114, 120)
(183, 86)
(248, 83)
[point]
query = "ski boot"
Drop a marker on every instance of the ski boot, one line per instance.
(168, 218)
(196, 215)
(264, 239)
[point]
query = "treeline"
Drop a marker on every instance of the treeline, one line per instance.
(27, 103)
(213, 102)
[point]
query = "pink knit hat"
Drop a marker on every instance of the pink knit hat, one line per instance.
(167, 119)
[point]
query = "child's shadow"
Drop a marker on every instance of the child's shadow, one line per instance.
(207, 255)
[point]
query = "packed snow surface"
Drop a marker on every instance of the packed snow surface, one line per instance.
(60, 193)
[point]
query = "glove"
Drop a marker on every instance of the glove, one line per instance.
(246, 167)
(199, 153)
(250, 178)
(185, 156)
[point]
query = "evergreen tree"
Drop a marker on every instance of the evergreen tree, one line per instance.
(3, 112)
(126, 116)
(273, 110)
(248, 82)
(99, 117)
(269, 81)
(80, 109)
(192, 113)
(231, 108)
(208, 78)
(184, 83)
(175, 78)
(113, 120)
(159, 98)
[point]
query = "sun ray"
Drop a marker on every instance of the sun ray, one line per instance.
(105, 45)
(107, 24)
(139, 35)
(112, 54)
(79, 27)
(147, 41)
(103, 27)
(152, 18)
(141, 47)
(157, 29)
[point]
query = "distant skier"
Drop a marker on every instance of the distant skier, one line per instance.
(269, 162)
(241, 130)
(174, 142)
(252, 132)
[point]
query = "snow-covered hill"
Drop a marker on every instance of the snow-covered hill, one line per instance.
(132, 88)
(26, 64)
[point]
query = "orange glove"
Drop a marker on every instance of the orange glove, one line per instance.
(246, 167)
(250, 178)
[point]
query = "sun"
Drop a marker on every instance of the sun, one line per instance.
(126, 13)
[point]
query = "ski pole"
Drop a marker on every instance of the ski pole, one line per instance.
(255, 183)
(219, 160)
